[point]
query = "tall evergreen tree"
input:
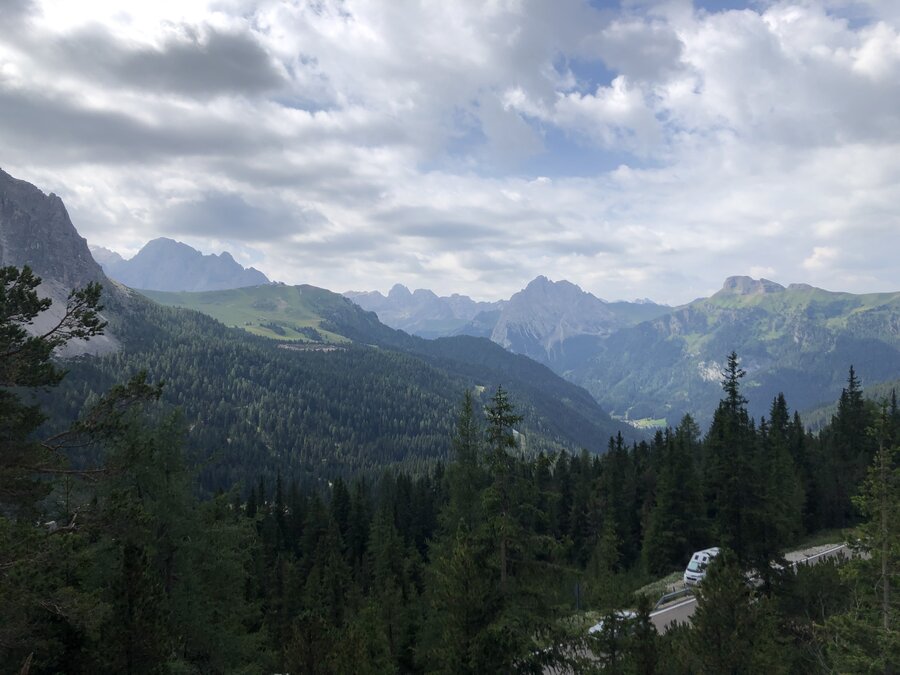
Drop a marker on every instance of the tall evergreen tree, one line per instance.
(500, 497)
(465, 475)
(677, 521)
(848, 451)
(782, 491)
(733, 631)
(730, 474)
(867, 637)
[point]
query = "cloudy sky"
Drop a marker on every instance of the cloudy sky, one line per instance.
(637, 148)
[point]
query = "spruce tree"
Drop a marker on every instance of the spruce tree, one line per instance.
(867, 637)
(676, 524)
(733, 631)
(731, 476)
(465, 475)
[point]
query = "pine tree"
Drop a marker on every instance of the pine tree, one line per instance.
(849, 451)
(782, 491)
(731, 477)
(733, 631)
(465, 475)
(867, 638)
(676, 524)
(500, 498)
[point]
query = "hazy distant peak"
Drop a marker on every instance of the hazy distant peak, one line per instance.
(543, 290)
(742, 285)
(538, 281)
(398, 291)
(105, 256)
(164, 264)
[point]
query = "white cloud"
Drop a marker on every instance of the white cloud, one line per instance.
(822, 257)
(470, 146)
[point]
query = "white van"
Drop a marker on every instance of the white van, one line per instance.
(696, 569)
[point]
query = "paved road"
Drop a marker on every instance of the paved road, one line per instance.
(682, 610)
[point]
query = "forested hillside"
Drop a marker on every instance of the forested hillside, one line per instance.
(495, 562)
(256, 408)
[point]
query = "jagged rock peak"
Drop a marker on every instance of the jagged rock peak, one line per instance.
(164, 264)
(740, 285)
(539, 280)
(105, 256)
(399, 291)
(542, 284)
(35, 230)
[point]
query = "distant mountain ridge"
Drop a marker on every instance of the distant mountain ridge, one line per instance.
(541, 319)
(799, 340)
(536, 321)
(167, 265)
(649, 363)
(422, 312)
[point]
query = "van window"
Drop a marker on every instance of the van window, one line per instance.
(696, 566)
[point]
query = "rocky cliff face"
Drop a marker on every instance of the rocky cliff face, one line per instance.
(546, 313)
(750, 286)
(168, 265)
(35, 230)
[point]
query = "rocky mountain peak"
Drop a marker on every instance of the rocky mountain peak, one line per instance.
(742, 285)
(35, 230)
(399, 292)
(164, 264)
(546, 313)
(424, 294)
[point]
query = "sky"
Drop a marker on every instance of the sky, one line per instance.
(637, 148)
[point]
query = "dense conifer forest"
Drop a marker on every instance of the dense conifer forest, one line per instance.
(257, 409)
(113, 557)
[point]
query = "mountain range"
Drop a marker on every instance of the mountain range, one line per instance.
(167, 265)
(645, 363)
(799, 340)
(342, 393)
(423, 312)
(536, 321)
(650, 364)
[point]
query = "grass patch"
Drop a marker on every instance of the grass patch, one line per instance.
(656, 589)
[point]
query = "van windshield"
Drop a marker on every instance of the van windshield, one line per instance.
(695, 566)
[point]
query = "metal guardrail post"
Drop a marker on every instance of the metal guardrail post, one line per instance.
(672, 596)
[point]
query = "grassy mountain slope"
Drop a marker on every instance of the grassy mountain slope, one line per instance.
(276, 311)
(799, 340)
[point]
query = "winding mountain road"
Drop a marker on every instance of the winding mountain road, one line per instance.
(682, 610)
